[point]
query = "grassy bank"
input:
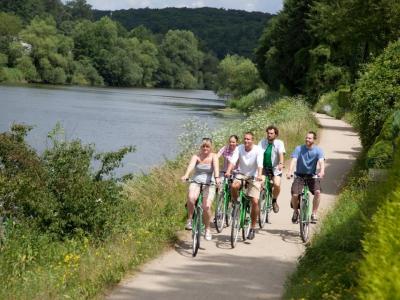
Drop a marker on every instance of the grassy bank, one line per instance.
(144, 222)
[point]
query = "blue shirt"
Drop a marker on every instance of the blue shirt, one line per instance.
(307, 159)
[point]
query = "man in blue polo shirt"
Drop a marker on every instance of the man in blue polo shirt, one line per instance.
(306, 158)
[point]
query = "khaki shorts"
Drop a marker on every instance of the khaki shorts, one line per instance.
(208, 192)
(252, 189)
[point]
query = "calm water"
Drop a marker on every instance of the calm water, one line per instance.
(150, 119)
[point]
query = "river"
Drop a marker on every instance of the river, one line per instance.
(110, 118)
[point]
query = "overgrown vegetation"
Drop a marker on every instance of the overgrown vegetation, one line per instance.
(129, 222)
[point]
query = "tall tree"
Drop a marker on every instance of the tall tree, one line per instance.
(283, 56)
(180, 60)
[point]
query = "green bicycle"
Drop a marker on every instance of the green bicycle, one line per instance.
(197, 220)
(223, 209)
(241, 215)
(305, 210)
(265, 202)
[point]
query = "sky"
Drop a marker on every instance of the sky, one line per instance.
(270, 6)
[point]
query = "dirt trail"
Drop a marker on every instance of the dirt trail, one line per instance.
(253, 270)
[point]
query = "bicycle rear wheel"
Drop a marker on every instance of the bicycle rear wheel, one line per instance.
(196, 231)
(263, 213)
(304, 220)
(219, 217)
(235, 224)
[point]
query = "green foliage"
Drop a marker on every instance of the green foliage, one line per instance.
(58, 193)
(221, 31)
(329, 103)
(237, 76)
(372, 106)
(315, 46)
(11, 75)
(283, 53)
(380, 267)
(180, 60)
(250, 101)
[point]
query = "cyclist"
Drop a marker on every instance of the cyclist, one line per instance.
(206, 168)
(227, 150)
(250, 160)
(306, 158)
(273, 150)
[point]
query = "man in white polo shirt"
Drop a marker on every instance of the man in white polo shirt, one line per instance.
(250, 159)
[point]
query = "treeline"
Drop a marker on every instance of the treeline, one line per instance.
(46, 41)
(312, 47)
(221, 31)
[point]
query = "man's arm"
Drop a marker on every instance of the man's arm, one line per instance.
(321, 163)
(281, 161)
(291, 168)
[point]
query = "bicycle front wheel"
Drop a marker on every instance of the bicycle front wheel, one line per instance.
(304, 220)
(219, 217)
(235, 224)
(196, 231)
(262, 214)
(246, 222)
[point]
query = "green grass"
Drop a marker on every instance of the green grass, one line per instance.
(151, 212)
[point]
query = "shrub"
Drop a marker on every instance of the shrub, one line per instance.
(377, 93)
(329, 103)
(380, 266)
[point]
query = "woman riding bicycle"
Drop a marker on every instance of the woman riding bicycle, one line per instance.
(227, 151)
(206, 170)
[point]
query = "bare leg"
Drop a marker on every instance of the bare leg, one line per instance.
(254, 212)
(235, 190)
(317, 198)
(277, 187)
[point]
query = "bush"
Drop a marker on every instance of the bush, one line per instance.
(11, 75)
(59, 193)
(329, 104)
(380, 266)
(377, 93)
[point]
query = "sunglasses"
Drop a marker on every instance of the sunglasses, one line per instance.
(207, 140)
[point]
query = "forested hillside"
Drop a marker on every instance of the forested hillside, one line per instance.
(222, 31)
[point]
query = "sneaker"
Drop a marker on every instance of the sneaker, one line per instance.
(251, 234)
(314, 218)
(295, 216)
(275, 207)
(188, 225)
(208, 235)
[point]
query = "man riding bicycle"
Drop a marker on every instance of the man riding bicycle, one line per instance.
(273, 150)
(306, 158)
(250, 159)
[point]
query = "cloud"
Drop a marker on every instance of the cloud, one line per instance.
(271, 6)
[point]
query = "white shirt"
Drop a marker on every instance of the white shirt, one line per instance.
(248, 161)
(278, 147)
